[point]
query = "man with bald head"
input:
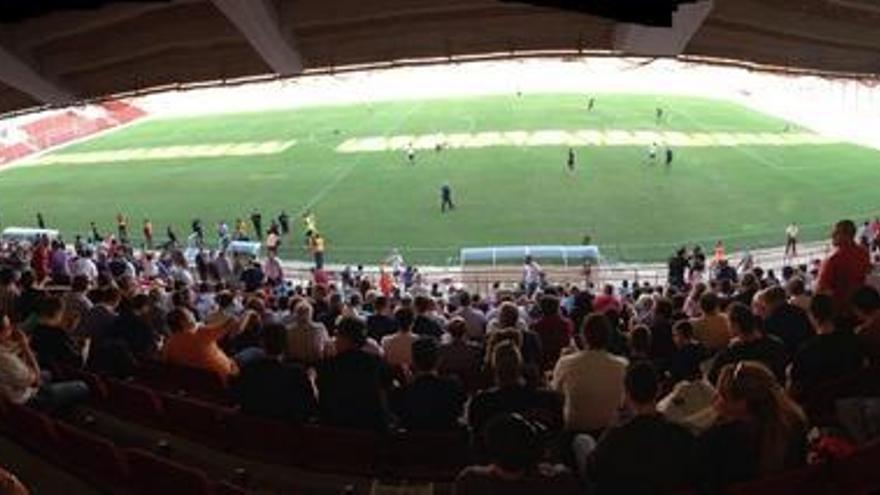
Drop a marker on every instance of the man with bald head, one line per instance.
(844, 270)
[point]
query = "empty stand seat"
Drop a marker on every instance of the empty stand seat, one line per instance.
(33, 429)
(154, 475)
(198, 420)
(229, 489)
(93, 458)
(428, 456)
(134, 402)
(343, 451)
(269, 439)
(858, 474)
(194, 382)
(811, 480)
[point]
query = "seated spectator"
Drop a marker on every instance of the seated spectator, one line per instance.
(271, 388)
(759, 431)
(713, 328)
(797, 293)
(787, 322)
(429, 401)
(135, 327)
(397, 347)
(749, 344)
(866, 306)
(639, 344)
(832, 353)
(9, 292)
(611, 466)
(662, 346)
(98, 322)
(458, 357)
(511, 394)
(195, 345)
(352, 385)
(426, 324)
(510, 326)
(307, 340)
(689, 352)
(10, 485)
(514, 452)
(844, 270)
(555, 331)
(51, 343)
(76, 300)
(475, 319)
(690, 402)
(381, 322)
(591, 380)
(21, 380)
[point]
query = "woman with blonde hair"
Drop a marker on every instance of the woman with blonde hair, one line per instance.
(759, 430)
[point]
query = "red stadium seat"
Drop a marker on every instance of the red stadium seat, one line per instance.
(153, 475)
(858, 474)
(429, 456)
(229, 489)
(91, 457)
(811, 480)
(342, 451)
(197, 420)
(194, 382)
(272, 440)
(134, 402)
(32, 429)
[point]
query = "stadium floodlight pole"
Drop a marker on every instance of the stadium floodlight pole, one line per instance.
(16, 73)
(258, 22)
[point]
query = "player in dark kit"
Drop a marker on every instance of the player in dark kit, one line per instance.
(659, 114)
(591, 104)
(571, 160)
(668, 156)
(257, 220)
(446, 198)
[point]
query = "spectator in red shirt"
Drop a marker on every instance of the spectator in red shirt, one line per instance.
(844, 271)
(606, 301)
(554, 329)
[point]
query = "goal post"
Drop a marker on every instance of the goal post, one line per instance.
(547, 254)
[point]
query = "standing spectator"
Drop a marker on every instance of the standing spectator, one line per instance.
(430, 402)
(353, 385)
(271, 388)
(844, 271)
(610, 465)
(307, 340)
(866, 304)
(606, 301)
(677, 266)
(473, 317)
(398, 346)
(555, 331)
(257, 221)
(531, 275)
(713, 328)
(316, 248)
(786, 321)
(514, 452)
(750, 344)
(791, 235)
(591, 380)
(760, 430)
(831, 354)
(148, 234)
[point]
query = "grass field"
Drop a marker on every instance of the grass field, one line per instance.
(507, 193)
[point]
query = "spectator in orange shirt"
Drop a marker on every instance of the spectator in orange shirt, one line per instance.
(844, 270)
(195, 345)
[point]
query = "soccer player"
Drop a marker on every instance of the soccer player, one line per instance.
(652, 152)
(257, 220)
(122, 227)
(659, 114)
(571, 160)
(446, 198)
(591, 104)
(284, 221)
(791, 234)
(148, 233)
(172, 237)
(197, 230)
(411, 154)
(310, 224)
(668, 156)
(40, 222)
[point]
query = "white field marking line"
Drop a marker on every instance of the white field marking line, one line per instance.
(348, 171)
(168, 152)
(585, 137)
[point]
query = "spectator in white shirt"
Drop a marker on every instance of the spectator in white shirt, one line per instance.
(307, 341)
(85, 266)
(591, 380)
(398, 346)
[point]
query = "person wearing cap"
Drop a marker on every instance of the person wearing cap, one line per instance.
(352, 384)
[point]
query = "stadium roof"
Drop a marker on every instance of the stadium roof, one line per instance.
(58, 56)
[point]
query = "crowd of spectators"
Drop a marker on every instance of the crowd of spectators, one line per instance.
(628, 389)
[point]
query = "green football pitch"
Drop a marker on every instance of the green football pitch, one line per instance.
(504, 157)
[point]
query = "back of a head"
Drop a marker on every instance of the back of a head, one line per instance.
(549, 305)
(380, 303)
(774, 296)
(425, 354)
(846, 228)
(663, 307)
(224, 299)
(507, 363)
(457, 328)
(640, 383)
(178, 319)
(742, 318)
(274, 338)
(50, 307)
(80, 283)
(640, 339)
(796, 286)
(464, 299)
(512, 442)
(822, 308)
(352, 329)
(404, 317)
(866, 299)
(597, 331)
(508, 315)
(302, 312)
(422, 303)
